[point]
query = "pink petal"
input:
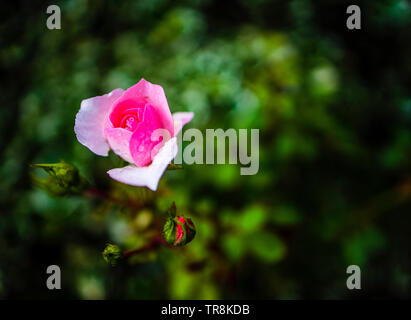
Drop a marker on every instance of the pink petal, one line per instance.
(126, 107)
(180, 119)
(90, 120)
(119, 141)
(147, 176)
(145, 92)
(142, 142)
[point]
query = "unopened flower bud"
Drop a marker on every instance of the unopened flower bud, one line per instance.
(64, 179)
(112, 254)
(178, 231)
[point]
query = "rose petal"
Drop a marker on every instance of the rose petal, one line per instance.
(142, 142)
(180, 119)
(119, 141)
(124, 108)
(147, 176)
(90, 120)
(145, 92)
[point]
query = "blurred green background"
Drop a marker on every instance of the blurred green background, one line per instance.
(334, 111)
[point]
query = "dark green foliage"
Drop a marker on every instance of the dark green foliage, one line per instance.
(334, 111)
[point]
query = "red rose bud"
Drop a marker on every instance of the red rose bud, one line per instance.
(179, 231)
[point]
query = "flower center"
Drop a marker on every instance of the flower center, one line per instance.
(129, 122)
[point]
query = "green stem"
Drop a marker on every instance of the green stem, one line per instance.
(94, 192)
(156, 242)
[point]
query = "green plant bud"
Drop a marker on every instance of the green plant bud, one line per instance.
(64, 179)
(178, 231)
(112, 254)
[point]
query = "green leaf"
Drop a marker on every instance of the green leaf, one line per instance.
(233, 246)
(251, 219)
(267, 246)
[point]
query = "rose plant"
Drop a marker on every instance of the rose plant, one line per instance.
(137, 125)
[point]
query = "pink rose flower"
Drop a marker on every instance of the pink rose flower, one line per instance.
(138, 126)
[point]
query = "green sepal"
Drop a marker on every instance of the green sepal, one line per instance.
(171, 212)
(173, 166)
(191, 227)
(169, 231)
